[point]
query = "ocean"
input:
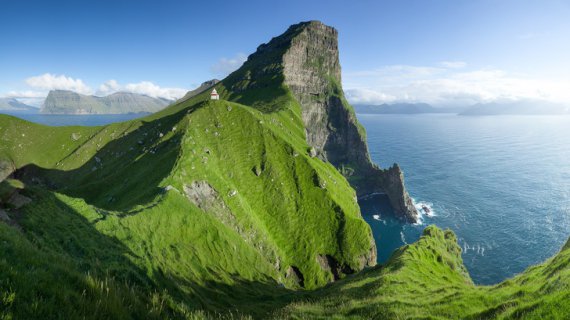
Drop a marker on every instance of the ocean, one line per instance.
(501, 183)
(58, 120)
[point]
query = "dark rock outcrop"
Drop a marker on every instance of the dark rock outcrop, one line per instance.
(294, 274)
(395, 189)
(6, 169)
(330, 264)
(369, 259)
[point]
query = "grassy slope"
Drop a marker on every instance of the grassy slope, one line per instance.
(427, 280)
(160, 256)
(100, 208)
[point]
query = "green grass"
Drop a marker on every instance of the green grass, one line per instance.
(111, 234)
(427, 280)
(152, 253)
(102, 207)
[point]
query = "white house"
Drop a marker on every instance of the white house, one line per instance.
(214, 95)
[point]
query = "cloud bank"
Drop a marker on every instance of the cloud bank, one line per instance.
(49, 81)
(449, 83)
(39, 86)
(145, 87)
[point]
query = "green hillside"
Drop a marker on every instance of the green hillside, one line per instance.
(227, 209)
(187, 205)
(427, 280)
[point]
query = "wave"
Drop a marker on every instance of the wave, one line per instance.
(403, 237)
(477, 249)
(425, 208)
(377, 217)
(370, 195)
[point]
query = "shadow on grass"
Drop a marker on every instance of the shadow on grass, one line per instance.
(124, 173)
(257, 299)
(74, 258)
(60, 266)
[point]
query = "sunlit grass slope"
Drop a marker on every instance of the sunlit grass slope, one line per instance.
(112, 206)
(427, 280)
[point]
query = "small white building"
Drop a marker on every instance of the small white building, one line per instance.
(214, 95)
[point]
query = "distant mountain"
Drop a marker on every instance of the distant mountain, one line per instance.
(528, 107)
(13, 105)
(402, 108)
(69, 102)
(204, 86)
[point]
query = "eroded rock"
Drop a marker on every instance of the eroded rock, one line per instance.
(293, 273)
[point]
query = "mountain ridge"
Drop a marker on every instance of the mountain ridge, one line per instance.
(524, 107)
(13, 105)
(404, 108)
(69, 102)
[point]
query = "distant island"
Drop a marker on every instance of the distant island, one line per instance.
(403, 108)
(524, 107)
(12, 105)
(527, 107)
(69, 102)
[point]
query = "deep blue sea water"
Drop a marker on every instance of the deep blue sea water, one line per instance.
(501, 183)
(76, 120)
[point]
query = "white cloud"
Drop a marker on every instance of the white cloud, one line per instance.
(108, 87)
(49, 81)
(29, 97)
(450, 87)
(25, 94)
(144, 87)
(397, 72)
(39, 86)
(152, 90)
(368, 96)
(226, 66)
(453, 64)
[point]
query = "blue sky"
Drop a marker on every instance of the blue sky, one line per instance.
(442, 52)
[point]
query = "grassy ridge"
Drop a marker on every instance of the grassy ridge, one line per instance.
(427, 280)
(112, 208)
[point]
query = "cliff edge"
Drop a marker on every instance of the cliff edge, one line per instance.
(305, 61)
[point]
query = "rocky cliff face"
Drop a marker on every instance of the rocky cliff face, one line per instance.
(69, 102)
(312, 72)
(305, 61)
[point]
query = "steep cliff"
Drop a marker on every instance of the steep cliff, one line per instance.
(305, 61)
